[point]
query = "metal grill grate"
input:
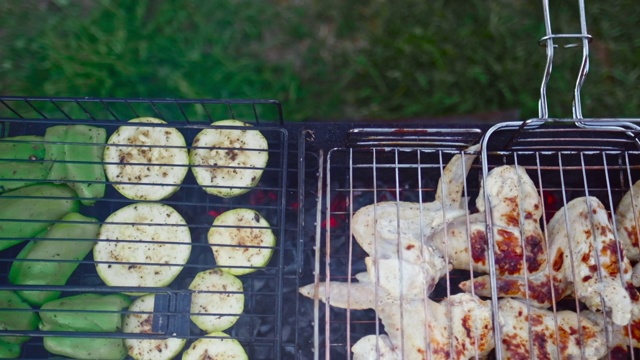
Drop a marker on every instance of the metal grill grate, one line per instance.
(259, 326)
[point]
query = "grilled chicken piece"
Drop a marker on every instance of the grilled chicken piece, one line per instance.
(391, 233)
(416, 328)
(628, 222)
(374, 347)
(618, 341)
(402, 271)
(451, 184)
(379, 226)
(530, 333)
(635, 275)
(580, 234)
(516, 213)
(402, 278)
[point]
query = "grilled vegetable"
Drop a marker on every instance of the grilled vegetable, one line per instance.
(75, 152)
(27, 211)
(141, 322)
(228, 162)
(142, 224)
(220, 347)
(28, 166)
(146, 162)
(218, 296)
(85, 348)
(84, 312)
(9, 350)
(52, 259)
(241, 240)
(14, 315)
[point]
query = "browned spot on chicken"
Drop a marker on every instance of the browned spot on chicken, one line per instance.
(540, 343)
(633, 331)
(535, 249)
(558, 261)
(563, 337)
(632, 291)
(508, 287)
(610, 250)
(509, 255)
(467, 324)
(479, 247)
(632, 234)
(512, 217)
(514, 346)
(409, 246)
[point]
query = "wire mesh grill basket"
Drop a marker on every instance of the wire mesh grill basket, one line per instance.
(522, 246)
(258, 326)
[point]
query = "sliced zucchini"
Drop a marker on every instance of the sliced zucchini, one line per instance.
(158, 158)
(242, 241)
(137, 322)
(215, 346)
(228, 162)
(218, 296)
(147, 223)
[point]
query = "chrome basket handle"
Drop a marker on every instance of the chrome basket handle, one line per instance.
(548, 42)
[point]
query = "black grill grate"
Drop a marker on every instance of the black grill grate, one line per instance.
(259, 328)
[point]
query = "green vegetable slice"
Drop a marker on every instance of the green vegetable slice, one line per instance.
(85, 348)
(30, 166)
(52, 259)
(154, 159)
(14, 317)
(217, 300)
(215, 346)
(75, 152)
(139, 321)
(84, 312)
(241, 241)
(43, 202)
(228, 162)
(153, 234)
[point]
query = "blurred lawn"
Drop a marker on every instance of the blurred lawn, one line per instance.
(324, 59)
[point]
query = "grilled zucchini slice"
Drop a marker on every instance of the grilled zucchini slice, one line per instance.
(154, 159)
(139, 321)
(241, 241)
(220, 347)
(140, 225)
(218, 297)
(228, 162)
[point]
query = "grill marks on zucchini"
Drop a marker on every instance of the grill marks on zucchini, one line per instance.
(144, 155)
(135, 228)
(241, 241)
(228, 162)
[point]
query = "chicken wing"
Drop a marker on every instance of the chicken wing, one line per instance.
(378, 227)
(460, 327)
(374, 347)
(391, 232)
(516, 212)
(628, 222)
(531, 333)
(585, 262)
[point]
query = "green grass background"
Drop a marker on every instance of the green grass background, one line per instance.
(324, 59)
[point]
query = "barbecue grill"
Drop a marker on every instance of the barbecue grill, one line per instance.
(317, 179)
